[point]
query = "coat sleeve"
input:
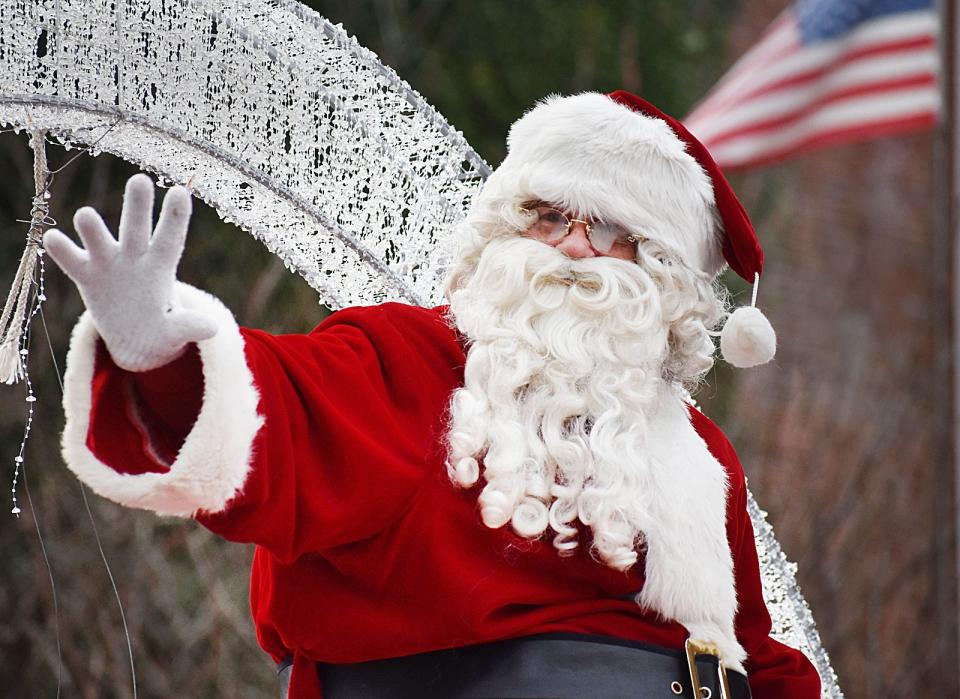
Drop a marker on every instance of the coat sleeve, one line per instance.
(297, 443)
(775, 670)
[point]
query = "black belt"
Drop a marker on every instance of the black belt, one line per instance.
(561, 666)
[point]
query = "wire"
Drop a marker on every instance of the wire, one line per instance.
(43, 546)
(85, 149)
(96, 533)
(53, 586)
(113, 584)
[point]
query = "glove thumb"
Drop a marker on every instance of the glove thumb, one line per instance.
(191, 326)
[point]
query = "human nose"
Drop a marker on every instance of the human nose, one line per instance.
(576, 244)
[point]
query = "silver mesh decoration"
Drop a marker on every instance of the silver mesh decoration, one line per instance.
(792, 619)
(295, 133)
(274, 116)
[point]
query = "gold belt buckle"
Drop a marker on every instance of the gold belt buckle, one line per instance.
(695, 648)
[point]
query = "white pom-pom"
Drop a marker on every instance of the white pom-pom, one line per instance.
(748, 338)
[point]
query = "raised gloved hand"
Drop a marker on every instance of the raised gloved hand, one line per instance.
(128, 285)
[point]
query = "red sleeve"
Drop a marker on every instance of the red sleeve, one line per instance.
(341, 454)
(348, 415)
(775, 670)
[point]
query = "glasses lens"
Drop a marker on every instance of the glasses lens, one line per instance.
(604, 237)
(550, 226)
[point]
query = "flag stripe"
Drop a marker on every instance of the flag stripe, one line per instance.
(781, 39)
(785, 95)
(908, 46)
(884, 31)
(840, 115)
(859, 90)
(906, 104)
(744, 72)
(838, 136)
(874, 73)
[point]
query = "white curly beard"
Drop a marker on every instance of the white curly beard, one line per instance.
(570, 403)
(564, 362)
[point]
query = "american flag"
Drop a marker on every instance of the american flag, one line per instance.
(825, 72)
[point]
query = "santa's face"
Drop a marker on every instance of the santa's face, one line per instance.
(568, 350)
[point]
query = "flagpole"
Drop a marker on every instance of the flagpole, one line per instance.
(946, 230)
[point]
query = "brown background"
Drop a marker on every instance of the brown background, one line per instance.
(847, 436)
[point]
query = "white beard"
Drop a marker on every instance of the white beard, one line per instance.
(564, 363)
(566, 404)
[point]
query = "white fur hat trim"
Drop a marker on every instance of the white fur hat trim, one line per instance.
(599, 158)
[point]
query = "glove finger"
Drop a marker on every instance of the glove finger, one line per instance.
(191, 326)
(94, 234)
(136, 217)
(69, 256)
(171, 232)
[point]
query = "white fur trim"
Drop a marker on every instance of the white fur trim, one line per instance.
(689, 568)
(599, 158)
(213, 462)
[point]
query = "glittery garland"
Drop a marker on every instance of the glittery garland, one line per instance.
(792, 619)
(295, 133)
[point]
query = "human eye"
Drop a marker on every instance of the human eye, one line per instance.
(549, 215)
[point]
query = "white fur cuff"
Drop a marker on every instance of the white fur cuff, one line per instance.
(213, 462)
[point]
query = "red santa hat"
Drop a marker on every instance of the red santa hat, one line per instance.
(618, 157)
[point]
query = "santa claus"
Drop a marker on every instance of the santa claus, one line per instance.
(509, 496)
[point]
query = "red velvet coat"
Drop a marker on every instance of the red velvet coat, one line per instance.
(364, 548)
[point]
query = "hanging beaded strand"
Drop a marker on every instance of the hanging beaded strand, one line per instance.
(16, 319)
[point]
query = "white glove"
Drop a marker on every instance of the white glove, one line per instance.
(128, 286)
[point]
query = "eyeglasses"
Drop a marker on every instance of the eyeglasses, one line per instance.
(552, 226)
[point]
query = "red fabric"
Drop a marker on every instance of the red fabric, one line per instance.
(365, 549)
(156, 409)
